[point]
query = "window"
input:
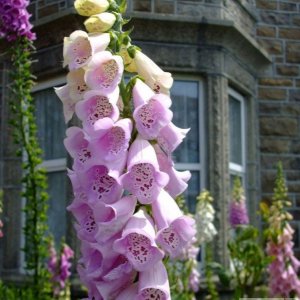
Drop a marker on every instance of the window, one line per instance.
(237, 136)
(188, 113)
(51, 132)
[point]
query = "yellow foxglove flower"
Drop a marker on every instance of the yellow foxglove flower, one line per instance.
(100, 23)
(91, 7)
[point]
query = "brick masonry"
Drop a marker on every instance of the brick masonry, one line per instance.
(278, 30)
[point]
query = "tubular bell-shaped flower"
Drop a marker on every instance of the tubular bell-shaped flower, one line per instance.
(96, 106)
(178, 180)
(175, 230)
(170, 137)
(79, 148)
(104, 71)
(143, 177)
(151, 112)
(129, 293)
(111, 139)
(154, 76)
(137, 242)
(112, 218)
(100, 185)
(100, 22)
(80, 47)
(90, 7)
(72, 92)
(154, 283)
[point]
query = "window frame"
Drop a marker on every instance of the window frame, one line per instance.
(234, 168)
(201, 165)
(58, 164)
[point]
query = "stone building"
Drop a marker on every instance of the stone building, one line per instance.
(237, 85)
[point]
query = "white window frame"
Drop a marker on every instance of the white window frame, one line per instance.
(60, 164)
(234, 168)
(200, 166)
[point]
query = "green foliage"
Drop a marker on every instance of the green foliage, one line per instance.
(248, 262)
(211, 285)
(34, 178)
(179, 273)
(12, 292)
(276, 213)
(238, 190)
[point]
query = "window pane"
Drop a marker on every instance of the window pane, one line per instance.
(235, 126)
(57, 204)
(192, 191)
(50, 122)
(185, 97)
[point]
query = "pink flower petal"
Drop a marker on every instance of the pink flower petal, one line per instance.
(137, 242)
(170, 137)
(175, 229)
(178, 180)
(96, 106)
(154, 283)
(100, 185)
(143, 178)
(104, 72)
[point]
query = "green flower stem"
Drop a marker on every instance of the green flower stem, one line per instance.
(34, 179)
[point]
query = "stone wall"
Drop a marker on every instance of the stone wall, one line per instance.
(279, 98)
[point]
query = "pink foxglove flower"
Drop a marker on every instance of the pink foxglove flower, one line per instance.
(111, 140)
(129, 293)
(86, 225)
(96, 106)
(80, 47)
(175, 230)
(154, 283)
(178, 180)
(112, 218)
(170, 137)
(151, 112)
(283, 279)
(72, 92)
(1, 226)
(14, 20)
(238, 214)
(137, 242)
(79, 147)
(115, 166)
(59, 267)
(100, 185)
(104, 72)
(154, 76)
(143, 178)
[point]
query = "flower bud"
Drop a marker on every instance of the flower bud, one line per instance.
(128, 61)
(100, 23)
(91, 7)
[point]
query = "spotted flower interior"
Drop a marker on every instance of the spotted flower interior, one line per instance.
(123, 176)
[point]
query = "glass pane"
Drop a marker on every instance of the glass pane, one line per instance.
(51, 125)
(192, 191)
(57, 204)
(185, 97)
(235, 126)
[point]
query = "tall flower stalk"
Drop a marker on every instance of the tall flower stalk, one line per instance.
(123, 177)
(283, 278)
(238, 214)
(16, 28)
